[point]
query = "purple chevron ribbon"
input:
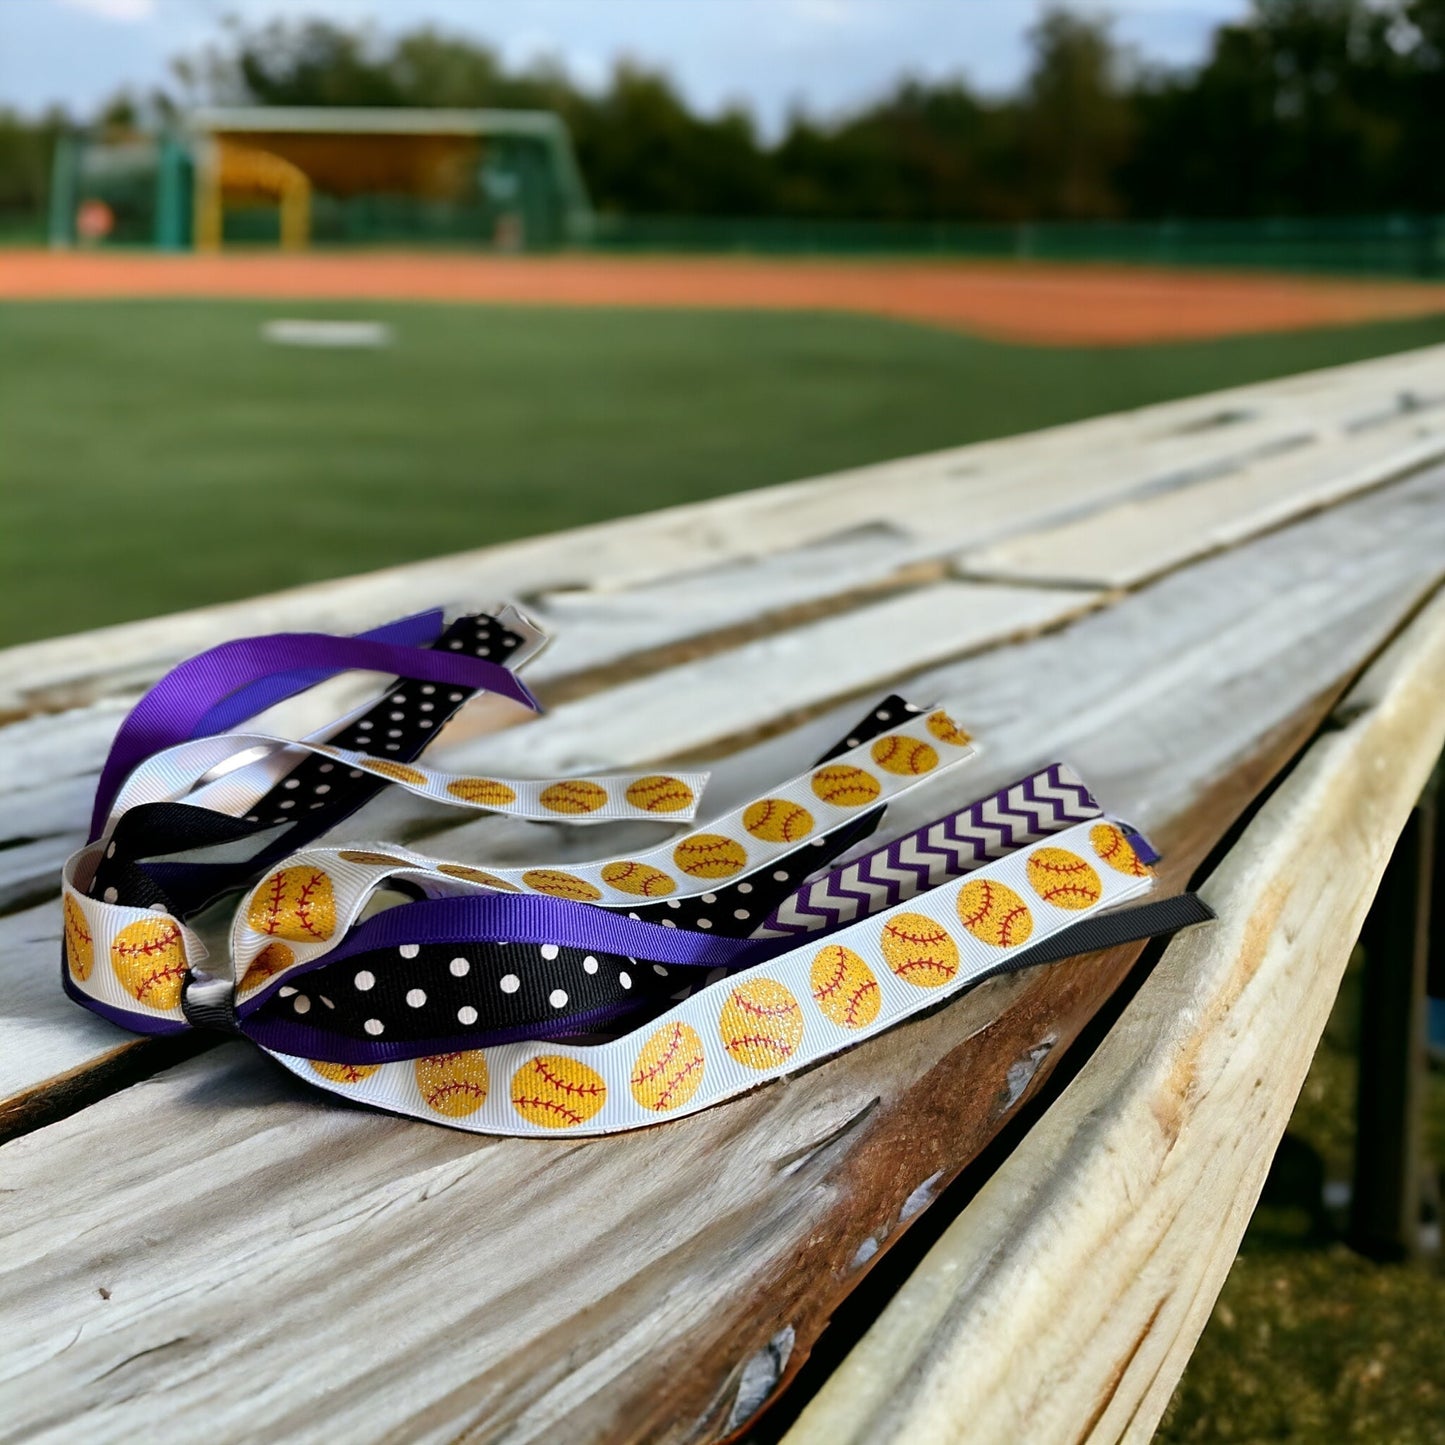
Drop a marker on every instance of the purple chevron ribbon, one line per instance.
(1016, 816)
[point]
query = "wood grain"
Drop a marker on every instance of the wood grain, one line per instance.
(1063, 1304)
(279, 1264)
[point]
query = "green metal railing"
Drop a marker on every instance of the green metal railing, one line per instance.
(1388, 245)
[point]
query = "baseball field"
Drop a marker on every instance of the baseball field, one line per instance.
(160, 453)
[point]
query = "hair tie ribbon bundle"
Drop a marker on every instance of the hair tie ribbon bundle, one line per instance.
(587, 998)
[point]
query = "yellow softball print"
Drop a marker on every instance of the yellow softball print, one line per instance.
(575, 796)
(919, 951)
(669, 1068)
(1115, 851)
(710, 855)
(558, 884)
(943, 727)
(79, 943)
(485, 792)
(453, 1084)
(641, 880)
(907, 757)
(381, 860)
(556, 1092)
(845, 786)
(994, 914)
(399, 772)
(761, 1024)
(844, 987)
(475, 875)
(659, 793)
(149, 959)
(344, 1073)
(776, 820)
(1063, 879)
(273, 959)
(296, 904)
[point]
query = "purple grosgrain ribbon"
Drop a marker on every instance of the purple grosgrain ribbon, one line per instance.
(419, 630)
(174, 710)
(532, 918)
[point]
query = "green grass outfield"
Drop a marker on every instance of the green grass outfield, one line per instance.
(158, 455)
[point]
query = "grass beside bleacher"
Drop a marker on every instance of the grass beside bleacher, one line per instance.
(159, 455)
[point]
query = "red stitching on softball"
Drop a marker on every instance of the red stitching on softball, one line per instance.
(983, 912)
(646, 1076)
(161, 975)
(1066, 889)
(823, 991)
(761, 1010)
(756, 1041)
(547, 1104)
(693, 1064)
(566, 1088)
(277, 889)
(865, 988)
(1006, 926)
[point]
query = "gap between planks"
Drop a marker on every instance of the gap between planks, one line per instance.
(624, 1286)
(1064, 1302)
(1406, 533)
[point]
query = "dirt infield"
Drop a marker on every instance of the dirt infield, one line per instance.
(1037, 303)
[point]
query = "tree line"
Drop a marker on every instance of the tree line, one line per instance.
(1300, 108)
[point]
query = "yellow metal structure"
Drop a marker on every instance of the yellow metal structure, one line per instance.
(230, 170)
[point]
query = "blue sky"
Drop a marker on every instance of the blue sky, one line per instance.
(771, 54)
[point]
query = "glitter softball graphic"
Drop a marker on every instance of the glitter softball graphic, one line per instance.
(556, 1092)
(79, 944)
(344, 1073)
(919, 951)
(487, 792)
(776, 820)
(398, 772)
(149, 959)
(577, 796)
(709, 855)
(453, 1084)
(844, 987)
(669, 1068)
(994, 914)
(943, 727)
(475, 875)
(295, 904)
(845, 786)
(658, 793)
(273, 959)
(641, 880)
(761, 1024)
(380, 860)
(1063, 879)
(907, 757)
(1115, 851)
(557, 884)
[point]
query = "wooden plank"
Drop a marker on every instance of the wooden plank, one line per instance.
(1064, 1302)
(1127, 543)
(279, 1264)
(688, 708)
(968, 494)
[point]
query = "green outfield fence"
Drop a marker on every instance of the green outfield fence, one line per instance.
(1387, 245)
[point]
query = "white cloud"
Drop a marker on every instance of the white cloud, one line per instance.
(126, 11)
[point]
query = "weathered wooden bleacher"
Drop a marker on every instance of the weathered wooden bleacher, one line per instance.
(1225, 612)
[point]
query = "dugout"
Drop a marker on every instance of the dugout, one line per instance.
(257, 175)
